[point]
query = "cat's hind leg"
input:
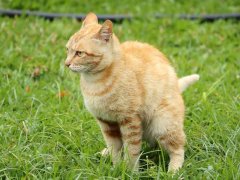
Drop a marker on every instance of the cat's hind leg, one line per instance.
(174, 143)
(167, 127)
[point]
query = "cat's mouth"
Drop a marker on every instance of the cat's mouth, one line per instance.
(78, 69)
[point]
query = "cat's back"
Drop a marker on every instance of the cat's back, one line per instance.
(143, 52)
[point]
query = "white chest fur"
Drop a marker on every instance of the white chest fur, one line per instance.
(101, 106)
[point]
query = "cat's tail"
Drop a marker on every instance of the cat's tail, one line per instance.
(186, 81)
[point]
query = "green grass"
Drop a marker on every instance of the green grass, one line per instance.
(134, 7)
(61, 138)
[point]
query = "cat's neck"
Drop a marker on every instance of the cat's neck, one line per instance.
(93, 77)
(97, 83)
(103, 74)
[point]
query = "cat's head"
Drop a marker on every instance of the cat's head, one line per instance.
(91, 49)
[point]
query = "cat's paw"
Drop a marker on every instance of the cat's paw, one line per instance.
(104, 152)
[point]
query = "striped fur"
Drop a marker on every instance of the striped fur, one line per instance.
(131, 89)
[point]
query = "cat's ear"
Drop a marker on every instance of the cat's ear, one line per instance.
(106, 31)
(90, 18)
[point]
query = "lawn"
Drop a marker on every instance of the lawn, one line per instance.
(47, 133)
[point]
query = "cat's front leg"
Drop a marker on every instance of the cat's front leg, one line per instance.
(112, 135)
(131, 131)
(105, 152)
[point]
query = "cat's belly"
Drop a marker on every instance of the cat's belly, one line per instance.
(148, 135)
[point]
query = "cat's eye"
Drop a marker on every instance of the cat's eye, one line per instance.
(79, 53)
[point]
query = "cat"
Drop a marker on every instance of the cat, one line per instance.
(131, 89)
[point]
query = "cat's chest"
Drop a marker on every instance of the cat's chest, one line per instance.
(103, 107)
(110, 100)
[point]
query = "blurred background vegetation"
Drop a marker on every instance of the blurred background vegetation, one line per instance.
(135, 7)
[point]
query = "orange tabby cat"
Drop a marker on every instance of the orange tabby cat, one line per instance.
(131, 89)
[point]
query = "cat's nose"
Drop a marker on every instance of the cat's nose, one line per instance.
(67, 64)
